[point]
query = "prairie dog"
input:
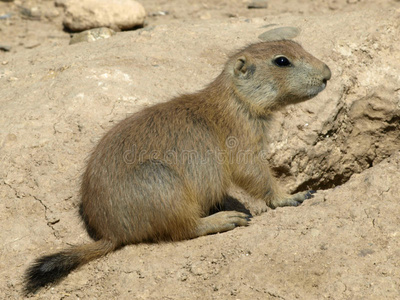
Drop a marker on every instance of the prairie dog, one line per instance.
(156, 175)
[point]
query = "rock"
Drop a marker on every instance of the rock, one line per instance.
(159, 13)
(280, 33)
(34, 12)
(61, 3)
(37, 12)
(51, 13)
(92, 35)
(115, 14)
(32, 44)
(5, 48)
(5, 16)
(258, 4)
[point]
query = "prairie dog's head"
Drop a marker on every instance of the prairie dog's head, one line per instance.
(269, 75)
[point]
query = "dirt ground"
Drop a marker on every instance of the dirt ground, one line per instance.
(57, 100)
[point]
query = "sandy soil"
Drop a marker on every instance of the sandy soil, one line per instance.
(57, 100)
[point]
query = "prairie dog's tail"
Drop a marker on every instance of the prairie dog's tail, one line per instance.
(51, 268)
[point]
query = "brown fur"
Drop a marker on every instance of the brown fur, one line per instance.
(156, 174)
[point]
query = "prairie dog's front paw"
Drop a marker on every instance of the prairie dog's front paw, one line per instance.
(222, 221)
(293, 200)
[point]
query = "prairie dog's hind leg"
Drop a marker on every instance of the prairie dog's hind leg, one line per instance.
(220, 222)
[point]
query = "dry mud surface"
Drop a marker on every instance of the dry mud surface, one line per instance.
(57, 100)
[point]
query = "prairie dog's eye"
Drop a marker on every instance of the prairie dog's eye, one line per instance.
(282, 61)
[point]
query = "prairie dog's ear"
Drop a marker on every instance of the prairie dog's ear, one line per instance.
(243, 66)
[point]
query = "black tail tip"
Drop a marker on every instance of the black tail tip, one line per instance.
(46, 270)
(35, 277)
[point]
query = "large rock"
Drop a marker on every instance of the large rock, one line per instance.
(116, 14)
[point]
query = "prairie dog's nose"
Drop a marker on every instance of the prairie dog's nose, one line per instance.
(326, 73)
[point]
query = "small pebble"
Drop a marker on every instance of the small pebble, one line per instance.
(92, 35)
(31, 45)
(32, 13)
(280, 33)
(159, 13)
(5, 48)
(257, 4)
(6, 16)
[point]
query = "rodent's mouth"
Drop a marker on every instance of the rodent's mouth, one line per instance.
(315, 90)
